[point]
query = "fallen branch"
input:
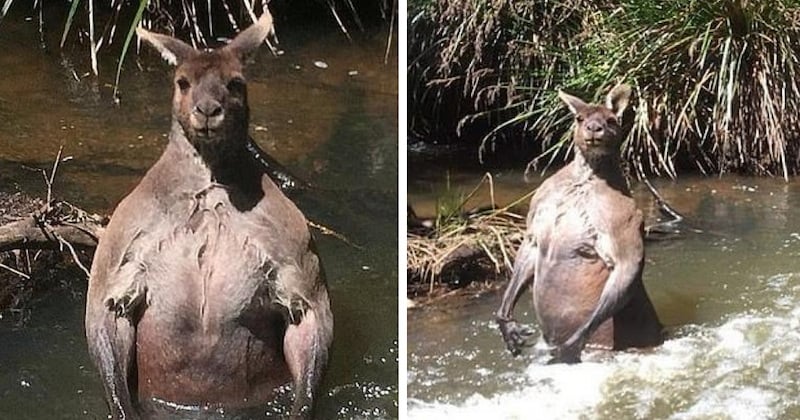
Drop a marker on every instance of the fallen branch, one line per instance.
(28, 233)
(58, 224)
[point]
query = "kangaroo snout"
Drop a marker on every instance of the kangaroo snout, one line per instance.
(594, 127)
(207, 114)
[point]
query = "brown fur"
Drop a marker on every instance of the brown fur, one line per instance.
(583, 253)
(207, 272)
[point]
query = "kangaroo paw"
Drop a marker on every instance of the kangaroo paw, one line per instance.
(516, 336)
(124, 302)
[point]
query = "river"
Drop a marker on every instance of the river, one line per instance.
(727, 291)
(334, 126)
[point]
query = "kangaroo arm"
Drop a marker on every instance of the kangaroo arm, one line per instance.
(521, 279)
(624, 255)
(516, 336)
(306, 348)
(112, 348)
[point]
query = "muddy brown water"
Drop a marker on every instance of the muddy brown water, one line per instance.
(729, 295)
(335, 127)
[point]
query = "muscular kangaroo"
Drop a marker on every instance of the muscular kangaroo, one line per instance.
(583, 251)
(206, 290)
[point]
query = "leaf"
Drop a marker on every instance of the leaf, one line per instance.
(131, 31)
(68, 24)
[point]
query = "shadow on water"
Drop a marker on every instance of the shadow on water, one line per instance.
(728, 295)
(335, 127)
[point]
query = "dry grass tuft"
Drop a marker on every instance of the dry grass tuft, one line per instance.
(494, 236)
(462, 245)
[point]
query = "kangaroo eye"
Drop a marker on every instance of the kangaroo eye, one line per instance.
(611, 120)
(183, 84)
(579, 118)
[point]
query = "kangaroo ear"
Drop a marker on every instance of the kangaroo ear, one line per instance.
(574, 103)
(251, 38)
(173, 50)
(617, 100)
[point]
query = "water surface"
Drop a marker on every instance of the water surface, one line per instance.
(729, 296)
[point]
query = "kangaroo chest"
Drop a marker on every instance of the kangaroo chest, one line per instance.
(568, 222)
(210, 262)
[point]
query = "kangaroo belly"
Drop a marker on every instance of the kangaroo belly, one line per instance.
(233, 365)
(211, 332)
(566, 294)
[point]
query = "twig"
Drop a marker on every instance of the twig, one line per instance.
(15, 271)
(663, 206)
(503, 251)
(491, 256)
(339, 21)
(28, 261)
(391, 33)
(335, 234)
(486, 177)
(72, 251)
(49, 180)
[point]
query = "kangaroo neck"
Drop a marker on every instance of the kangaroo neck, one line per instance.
(606, 167)
(226, 160)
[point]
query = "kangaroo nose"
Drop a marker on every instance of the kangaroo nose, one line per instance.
(594, 126)
(208, 108)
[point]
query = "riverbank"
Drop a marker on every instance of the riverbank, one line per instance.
(470, 251)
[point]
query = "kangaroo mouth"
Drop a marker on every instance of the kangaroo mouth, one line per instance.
(205, 133)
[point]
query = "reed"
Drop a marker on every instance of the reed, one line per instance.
(715, 80)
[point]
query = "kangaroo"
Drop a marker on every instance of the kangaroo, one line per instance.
(206, 290)
(583, 251)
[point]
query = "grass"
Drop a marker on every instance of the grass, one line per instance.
(715, 80)
(718, 79)
(492, 235)
(469, 61)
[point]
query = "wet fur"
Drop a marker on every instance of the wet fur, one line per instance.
(206, 289)
(584, 228)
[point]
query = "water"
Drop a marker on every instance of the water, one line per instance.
(729, 296)
(338, 131)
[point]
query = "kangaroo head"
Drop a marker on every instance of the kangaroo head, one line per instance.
(210, 93)
(598, 130)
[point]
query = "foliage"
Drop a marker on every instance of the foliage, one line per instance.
(716, 80)
(491, 234)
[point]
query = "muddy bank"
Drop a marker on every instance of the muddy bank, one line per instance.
(13, 206)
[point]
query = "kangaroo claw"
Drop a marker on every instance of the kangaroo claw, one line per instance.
(516, 336)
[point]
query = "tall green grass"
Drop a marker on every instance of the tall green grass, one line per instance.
(715, 80)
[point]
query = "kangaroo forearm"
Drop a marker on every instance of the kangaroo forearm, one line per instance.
(521, 279)
(613, 298)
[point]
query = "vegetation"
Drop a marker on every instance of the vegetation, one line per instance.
(200, 21)
(459, 247)
(716, 80)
